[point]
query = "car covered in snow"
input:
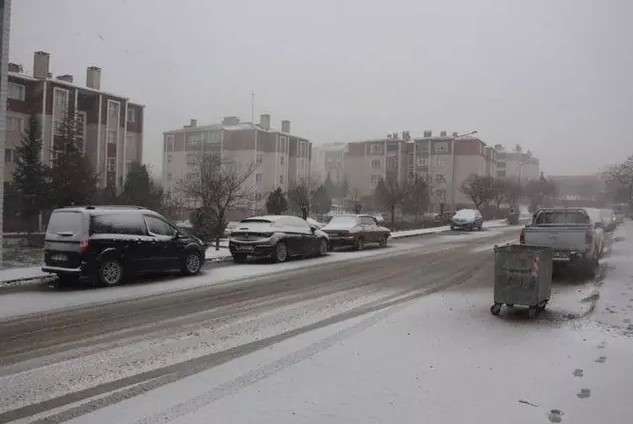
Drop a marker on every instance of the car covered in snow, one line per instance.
(278, 237)
(356, 231)
(467, 219)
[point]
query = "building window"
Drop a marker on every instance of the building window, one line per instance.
(17, 91)
(259, 178)
(112, 124)
(281, 160)
(281, 179)
(439, 178)
(192, 159)
(375, 179)
(131, 115)
(194, 142)
(111, 164)
(169, 176)
(168, 158)
(501, 164)
(376, 149)
(258, 196)
(169, 142)
(441, 147)
(8, 155)
(501, 174)
(260, 158)
(14, 124)
(375, 164)
(60, 109)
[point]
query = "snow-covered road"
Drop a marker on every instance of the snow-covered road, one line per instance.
(398, 335)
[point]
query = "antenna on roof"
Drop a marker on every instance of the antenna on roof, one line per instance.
(253, 106)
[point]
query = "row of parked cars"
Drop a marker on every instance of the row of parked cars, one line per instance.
(110, 243)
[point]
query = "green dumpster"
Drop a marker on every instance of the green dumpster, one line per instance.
(523, 276)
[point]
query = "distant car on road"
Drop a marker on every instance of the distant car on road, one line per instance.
(467, 219)
(356, 231)
(111, 243)
(278, 237)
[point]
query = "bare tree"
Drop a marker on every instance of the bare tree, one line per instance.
(217, 187)
(479, 189)
(417, 198)
(619, 179)
(390, 194)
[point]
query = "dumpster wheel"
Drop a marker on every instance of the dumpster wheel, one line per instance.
(495, 309)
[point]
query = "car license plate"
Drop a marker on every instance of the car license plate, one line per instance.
(59, 257)
(245, 248)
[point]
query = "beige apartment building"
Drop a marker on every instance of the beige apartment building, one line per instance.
(328, 160)
(281, 158)
(110, 125)
(522, 166)
(443, 161)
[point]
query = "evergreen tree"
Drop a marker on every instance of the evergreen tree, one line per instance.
(321, 200)
(416, 200)
(73, 181)
(139, 189)
(276, 202)
(330, 188)
(31, 176)
(390, 194)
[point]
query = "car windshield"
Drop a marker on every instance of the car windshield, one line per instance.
(465, 213)
(343, 221)
(562, 217)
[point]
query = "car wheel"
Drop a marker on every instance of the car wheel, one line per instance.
(281, 252)
(191, 263)
(110, 272)
(323, 247)
(239, 258)
(359, 244)
(383, 242)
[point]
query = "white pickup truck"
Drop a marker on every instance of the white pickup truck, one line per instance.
(575, 235)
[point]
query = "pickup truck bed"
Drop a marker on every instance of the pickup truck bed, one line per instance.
(568, 242)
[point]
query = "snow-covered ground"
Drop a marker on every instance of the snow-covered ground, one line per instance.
(37, 298)
(441, 358)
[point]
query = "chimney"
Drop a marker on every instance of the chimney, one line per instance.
(442, 133)
(285, 126)
(454, 133)
(192, 123)
(65, 77)
(14, 67)
(428, 133)
(406, 136)
(40, 64)
(230, 120)
(93, 77)
(264, 121)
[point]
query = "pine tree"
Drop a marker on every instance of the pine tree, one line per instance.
(276, 202)
(321, 200)
(31, 176)
(73, 181)
(140, 190)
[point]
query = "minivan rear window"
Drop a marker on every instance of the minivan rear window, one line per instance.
(117, 223)
(64, 222)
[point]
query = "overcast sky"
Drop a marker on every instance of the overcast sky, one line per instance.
(554, 76)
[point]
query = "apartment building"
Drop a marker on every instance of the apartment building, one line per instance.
(110, 125)
(443, 161)
(519, 165)
(5, 28)
(282, 159)
(328, 160)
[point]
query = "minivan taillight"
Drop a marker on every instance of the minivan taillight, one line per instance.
(522, 237)
(84, 247)
(589, 236)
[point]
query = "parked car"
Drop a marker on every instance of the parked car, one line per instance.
(278, 237)
(356, 231)
(467, 219)
(575, 235)
(232, 225)
(608, 219)
(111, 243)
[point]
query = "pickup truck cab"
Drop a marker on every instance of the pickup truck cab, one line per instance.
(575, 235)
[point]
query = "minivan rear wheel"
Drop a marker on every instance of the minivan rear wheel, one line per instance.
(110, 272)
